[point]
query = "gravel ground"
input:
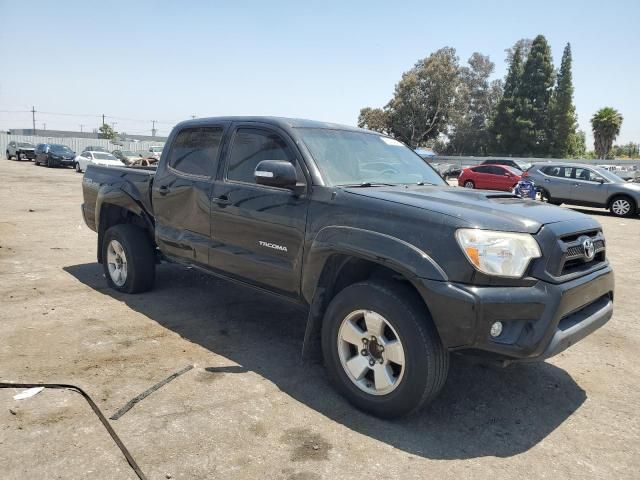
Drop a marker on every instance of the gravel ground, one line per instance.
(249, 408)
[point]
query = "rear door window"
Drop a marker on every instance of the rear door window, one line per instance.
(195, 151)
(556, 171)
(482, 169)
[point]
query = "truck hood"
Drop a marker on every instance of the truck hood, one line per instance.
(486, 209)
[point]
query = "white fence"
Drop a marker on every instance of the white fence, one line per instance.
(75, 144)
(469, 161)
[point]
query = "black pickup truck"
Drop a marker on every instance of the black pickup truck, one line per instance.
(396, 268)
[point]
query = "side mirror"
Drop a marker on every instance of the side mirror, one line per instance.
(276, 173)
(600, 181)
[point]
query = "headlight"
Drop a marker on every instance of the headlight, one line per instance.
(503, 254)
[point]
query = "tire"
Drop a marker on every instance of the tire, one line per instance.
(425, 361)
(545, 196)
(49, 162)
(8, 156)
(622, 206)
(137, 252)
(469, 184)
(78, 169)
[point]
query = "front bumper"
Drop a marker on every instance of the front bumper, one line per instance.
(539, 321)
(26, 155)
(63, 162)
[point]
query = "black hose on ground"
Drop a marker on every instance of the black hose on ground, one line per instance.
(96, 410)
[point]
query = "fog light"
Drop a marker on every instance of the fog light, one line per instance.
(496, 329)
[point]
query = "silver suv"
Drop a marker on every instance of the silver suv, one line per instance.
(580, 184)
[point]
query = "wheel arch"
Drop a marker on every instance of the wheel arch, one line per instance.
(115, 207)
(342, 256)
(613, 196)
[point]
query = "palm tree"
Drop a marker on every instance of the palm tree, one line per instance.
(606, 124)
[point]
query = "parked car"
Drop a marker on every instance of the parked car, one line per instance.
(519, 164)
(579, 184)
(394, 267)
(156, 151)
(490, 177)
(448, 170)
(96, 158)
(54, 155)
(21, 150)
(95, 148)
(622, 172)
(127, 157)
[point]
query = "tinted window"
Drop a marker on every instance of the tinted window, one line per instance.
(587, 175)
(250, 147)
(555, 171)
(195, 151)
(496, 170)
(482, 169)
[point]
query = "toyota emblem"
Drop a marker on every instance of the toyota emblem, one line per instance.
(589, 249)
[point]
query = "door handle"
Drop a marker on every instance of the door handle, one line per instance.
(222, 200)
(163, 190)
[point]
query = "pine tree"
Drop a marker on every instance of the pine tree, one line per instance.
(504, 128)
(564, 113)
(533, 99)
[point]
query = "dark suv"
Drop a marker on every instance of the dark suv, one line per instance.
(519, 164)
(55, 155)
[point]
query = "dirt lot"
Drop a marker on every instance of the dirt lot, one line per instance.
(249, 408)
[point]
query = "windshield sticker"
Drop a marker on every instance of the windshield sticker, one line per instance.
(391, 141)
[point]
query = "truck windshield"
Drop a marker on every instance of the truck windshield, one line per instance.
(357, 158)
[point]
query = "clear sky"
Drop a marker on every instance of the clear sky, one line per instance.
(137, 61)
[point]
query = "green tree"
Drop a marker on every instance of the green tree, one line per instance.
(533, 99)
(504, 127)
(578, 145)
(424, 99)
(476, 100)
(375, 119)
(107, 132)
(606, 124)
(564, 119)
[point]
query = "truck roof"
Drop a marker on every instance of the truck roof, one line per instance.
(282, 122)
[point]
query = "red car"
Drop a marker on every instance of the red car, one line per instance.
(490, 177)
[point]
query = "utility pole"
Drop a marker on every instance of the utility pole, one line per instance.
(44, 126)
(153, 128)
(33, 118)
(81, 125)
(103, 119)
(193, 116)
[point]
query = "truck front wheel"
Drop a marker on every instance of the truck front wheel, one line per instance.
(128, 259)
(381, 349)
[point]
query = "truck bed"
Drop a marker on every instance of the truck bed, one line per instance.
(135, 182)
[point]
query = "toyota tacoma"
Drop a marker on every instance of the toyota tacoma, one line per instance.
(396, 268)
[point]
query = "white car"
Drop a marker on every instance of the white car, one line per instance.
(97, 158)
(156, 152)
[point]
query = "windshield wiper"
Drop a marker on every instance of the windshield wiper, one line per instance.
(368, 184)
(420, 184)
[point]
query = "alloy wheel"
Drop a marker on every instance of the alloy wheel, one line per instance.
(117, 263)
(621, 207)
(371, 352)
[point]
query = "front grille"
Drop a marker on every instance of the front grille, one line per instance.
(565, 256)
(574, 258)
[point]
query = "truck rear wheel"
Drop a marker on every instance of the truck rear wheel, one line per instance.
(128, 259)
(381, 349)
